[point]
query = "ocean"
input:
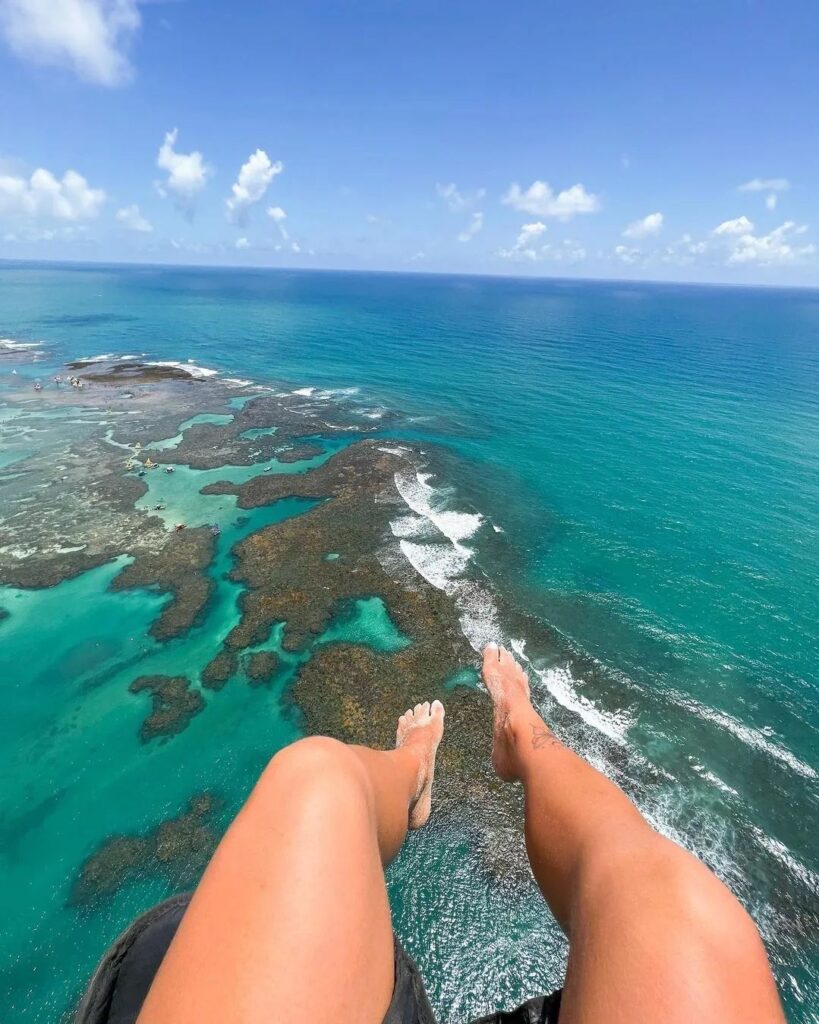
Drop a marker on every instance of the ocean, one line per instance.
(633, 469)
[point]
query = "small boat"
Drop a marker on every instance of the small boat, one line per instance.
(180, 527)
(169, 469)
(216, 529)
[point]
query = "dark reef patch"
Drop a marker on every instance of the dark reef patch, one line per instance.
(131, 372)
(298, 454)
(178, 566)
(179, 848)
(261, 667)
(217, 672)
(174, 705)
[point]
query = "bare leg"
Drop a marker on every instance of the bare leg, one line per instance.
(291, 921)
(653, 934)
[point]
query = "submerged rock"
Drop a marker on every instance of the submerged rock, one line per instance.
(174, 705)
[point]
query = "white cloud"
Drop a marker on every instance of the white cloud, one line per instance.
(775, 247)
(529, 248)
(279, 216)
(32, 233)
(473, 228)
(540, 200)
(765, 185)
(131, 218)
(187, 172)
(417, 257)
(738, 226)
(524, 247)
(242, 243)
(45, 197)
(89, 36)
(683, 252)
(295, 247)
(254, 177)
(770, 201)
(627, 254)
(649, 225)
(457, 200)
(566, 251)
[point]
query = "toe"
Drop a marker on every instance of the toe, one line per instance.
(507, 660)
(437, 709)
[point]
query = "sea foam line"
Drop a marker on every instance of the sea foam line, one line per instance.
(189, 367)
(442, 563)
(10, 345)
(443, 566)
(561, 685)
(750, 736)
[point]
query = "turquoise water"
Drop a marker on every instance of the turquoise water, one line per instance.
(633, 466)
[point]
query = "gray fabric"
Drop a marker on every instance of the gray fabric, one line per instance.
(120, 984)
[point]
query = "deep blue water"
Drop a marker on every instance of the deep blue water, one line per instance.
(634, 466)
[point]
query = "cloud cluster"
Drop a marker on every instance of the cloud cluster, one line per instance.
(187, 172)
(131, 218)
(540, 200)
(91, 37)
(457, 200)
(278, 216)
(472, 229)
(250, 186)
(737, 226)
(525, 244)
(529, 248)
(770, 185)
(777, 247)
(765, 185)
(43, 197)
(649, 225)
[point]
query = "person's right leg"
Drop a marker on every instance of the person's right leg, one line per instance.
(654, 936)
(291, 920)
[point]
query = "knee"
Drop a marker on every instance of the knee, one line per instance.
(315, 771)
(685, 892)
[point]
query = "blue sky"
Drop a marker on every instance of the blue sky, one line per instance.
(590, 138)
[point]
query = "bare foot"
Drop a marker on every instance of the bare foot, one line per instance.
(421, 729)
(508, 687)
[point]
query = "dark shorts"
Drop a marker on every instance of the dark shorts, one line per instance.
(118, 988)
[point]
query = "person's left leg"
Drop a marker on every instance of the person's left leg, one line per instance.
(291, 920)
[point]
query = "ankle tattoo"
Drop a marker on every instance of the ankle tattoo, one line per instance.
(542, 737)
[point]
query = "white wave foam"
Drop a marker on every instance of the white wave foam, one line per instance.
(10, 345)
(439, 564)
(304, 392)
(443, 563)
(421, 498)
(781, 853)
(237, 382)
(561, 685)
(752, 737)
(715, 780)
(189, 367)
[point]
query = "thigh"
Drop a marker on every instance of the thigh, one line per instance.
(291, 918)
